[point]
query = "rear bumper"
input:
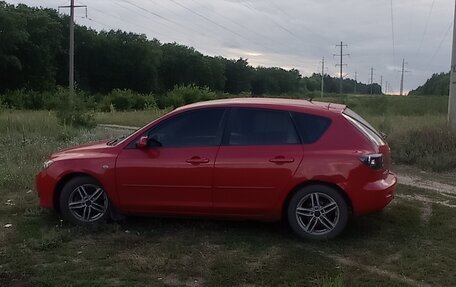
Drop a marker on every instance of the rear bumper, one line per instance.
(45, 186)
(375, 196)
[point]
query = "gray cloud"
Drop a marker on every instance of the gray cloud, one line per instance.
(293, 33)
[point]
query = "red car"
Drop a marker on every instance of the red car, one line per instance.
(311, 163)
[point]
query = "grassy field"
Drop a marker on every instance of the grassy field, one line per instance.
(410, 243)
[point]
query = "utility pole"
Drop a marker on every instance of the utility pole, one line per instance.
(381, 84)
(341, 65)
(372, 80)
(402, 77)
(452, 98)
(322, 76)
(356, 80)
(71, 48)
(71, 73)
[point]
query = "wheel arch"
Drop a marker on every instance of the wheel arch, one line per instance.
(63, 181)
(316, 182)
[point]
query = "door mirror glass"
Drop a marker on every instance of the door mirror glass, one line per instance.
(143, 142)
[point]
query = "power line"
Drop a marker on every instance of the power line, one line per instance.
(101, 23)
(426, 26)
(164, 5)
(392, 32)
(209, 20)
(248, 6)
(160, 16)
(440, 44)
(124, 20)
(234, 22)
(116, 2)
(221, 26)
(279, 8)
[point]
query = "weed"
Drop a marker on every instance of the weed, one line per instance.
(72, 111)
(183, 95)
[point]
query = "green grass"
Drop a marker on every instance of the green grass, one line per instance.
(40, 250)
(135, 119)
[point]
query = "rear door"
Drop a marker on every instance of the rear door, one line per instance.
(259, 156)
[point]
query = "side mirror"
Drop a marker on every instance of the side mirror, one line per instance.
(143, 142)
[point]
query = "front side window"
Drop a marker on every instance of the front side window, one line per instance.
(194, 128)
(261, 127)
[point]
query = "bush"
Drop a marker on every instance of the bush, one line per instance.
(184, 95)
(72, 110)
(124, 100)
(430, 148)
(30, 100)
(2, 106)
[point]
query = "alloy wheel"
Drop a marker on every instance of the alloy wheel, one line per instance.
(88, 202)
(317, 213)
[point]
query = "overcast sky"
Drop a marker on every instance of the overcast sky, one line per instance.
(293, 33)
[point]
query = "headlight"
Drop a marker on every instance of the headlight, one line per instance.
(47, 164)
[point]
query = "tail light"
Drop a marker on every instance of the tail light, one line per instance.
(373, 161)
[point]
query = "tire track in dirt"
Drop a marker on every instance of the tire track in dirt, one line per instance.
(416, 181)
(375, 270)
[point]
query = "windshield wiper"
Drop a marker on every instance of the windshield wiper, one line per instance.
(116, 140)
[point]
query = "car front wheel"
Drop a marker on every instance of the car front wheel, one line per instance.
(83, 201)
(317, 212)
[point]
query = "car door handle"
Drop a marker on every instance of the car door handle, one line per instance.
(197, 160)
(281, 159)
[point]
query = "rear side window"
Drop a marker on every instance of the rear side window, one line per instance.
(311, 127)
(360, 119)
(373, 137)
(261, 127)
(365, 127)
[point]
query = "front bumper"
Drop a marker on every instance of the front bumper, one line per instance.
(45, 186)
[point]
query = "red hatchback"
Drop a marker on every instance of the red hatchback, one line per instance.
(311, 163)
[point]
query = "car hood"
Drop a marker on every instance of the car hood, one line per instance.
(81, 150)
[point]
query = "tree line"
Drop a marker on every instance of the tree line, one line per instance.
(437, 85)
(34, 57)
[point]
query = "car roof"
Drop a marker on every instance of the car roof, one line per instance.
(274, 103)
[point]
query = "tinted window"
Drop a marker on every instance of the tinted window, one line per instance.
(261, 127)
(374, 138)
(310, 127)
(359, 119)
(195, 128)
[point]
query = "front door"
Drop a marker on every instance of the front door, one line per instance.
(175, 173)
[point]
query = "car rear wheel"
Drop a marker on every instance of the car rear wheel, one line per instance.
(317, 212)
(83, 201)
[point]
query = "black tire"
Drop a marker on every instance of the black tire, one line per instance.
(317, 223)
(89, 206)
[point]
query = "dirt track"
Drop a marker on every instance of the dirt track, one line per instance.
(416, 181)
